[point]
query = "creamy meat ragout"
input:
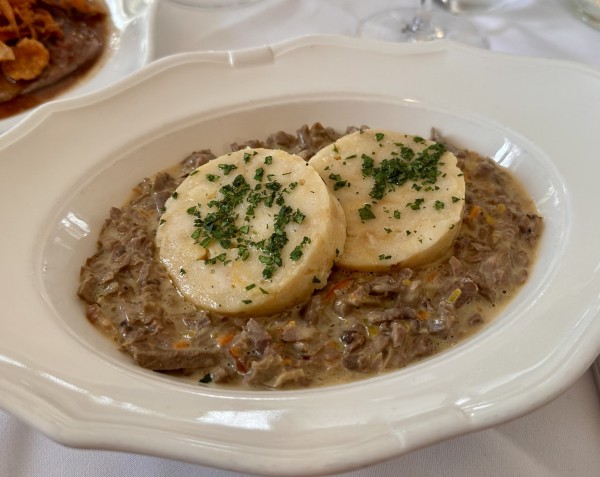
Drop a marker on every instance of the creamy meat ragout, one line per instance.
(359, 325)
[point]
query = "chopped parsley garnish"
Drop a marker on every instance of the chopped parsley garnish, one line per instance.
(272, 247)
(243, 253)
(366, 213)
(246, 302)
(316, 280)
(227, 168)
(339, 182)
(175, 195)
(236, 202)
(297, 252)
(367, 165)
(455, 199)
(397, 214)
(182, 271)
(211, 177)
(421, 167)
(251, 286)
(222, 257)
(207, 378)
(416, 205)
(379, 136)
(384, 257)
(298, 217)
(438, 205)
(269, 160)
(206, 242)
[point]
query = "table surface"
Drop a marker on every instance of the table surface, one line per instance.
(559, 439)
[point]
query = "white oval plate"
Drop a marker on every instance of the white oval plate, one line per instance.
(129, 46)
(538, 118)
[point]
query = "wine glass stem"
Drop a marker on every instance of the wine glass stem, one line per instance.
(421, 23)
(425, 5)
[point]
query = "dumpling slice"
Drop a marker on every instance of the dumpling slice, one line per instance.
(252, 232)
(402, 196)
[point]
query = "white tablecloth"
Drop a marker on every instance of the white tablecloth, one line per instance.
(560, 439)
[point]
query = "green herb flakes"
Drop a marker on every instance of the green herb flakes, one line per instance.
(339, 182)
(207, 378)
(227, 168)
(366, 213)
(416, 205)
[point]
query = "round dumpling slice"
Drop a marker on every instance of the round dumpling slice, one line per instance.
(402, 196)
(252, 232)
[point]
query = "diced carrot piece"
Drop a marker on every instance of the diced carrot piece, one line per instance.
(337, 286)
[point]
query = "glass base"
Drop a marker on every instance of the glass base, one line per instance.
(472, 6)
(403, 25)
(213, 4)
(588, 11)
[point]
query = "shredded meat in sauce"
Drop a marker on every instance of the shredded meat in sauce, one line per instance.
(359, 325)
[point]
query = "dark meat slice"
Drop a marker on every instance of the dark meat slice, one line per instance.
(8, 89)
(354, 337)
(315, 138)
(271, 372)
(195, 160)
(296, 331)
(151, 356)
(282, 140)
(255, 334)
(78, 47)
(370, 357)
(253, 143)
